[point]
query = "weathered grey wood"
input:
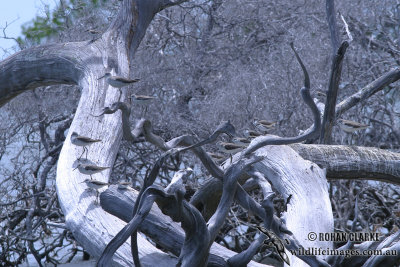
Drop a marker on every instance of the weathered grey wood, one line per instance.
(309, 209)
(229, 189)
(40, 66)
(194, 252)
(119, 202)
(335, 74)
(329, 114)
(244, 257)
(352, 162)
(333, 30)
(390, 243)
(158, 226)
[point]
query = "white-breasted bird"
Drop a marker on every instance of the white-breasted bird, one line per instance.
(117, 81)
(229, 148)
(264, 125)
(351, 126)
(83, 141)
(89, 169)
(124, 185)
(141, 99)
(96, 185)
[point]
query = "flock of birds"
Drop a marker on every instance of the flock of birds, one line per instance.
(84, 141)
(238, 144)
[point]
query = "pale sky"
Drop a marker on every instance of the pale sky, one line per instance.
(16, 13)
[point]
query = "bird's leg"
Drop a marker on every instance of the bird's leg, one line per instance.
(97, 197)
(82, 153)
(87, 150)
(342, 138)
(142, 112)
(120, 94)
(95, 39)
(357, 142)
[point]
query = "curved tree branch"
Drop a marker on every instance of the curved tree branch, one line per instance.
(352, 162)
(373, 87)
(41, 66)
(159, 227)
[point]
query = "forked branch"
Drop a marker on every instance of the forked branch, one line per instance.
(313, 133)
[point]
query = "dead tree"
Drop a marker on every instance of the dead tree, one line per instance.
(295, 171)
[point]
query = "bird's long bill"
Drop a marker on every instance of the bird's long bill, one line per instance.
(75, 168)
(101, 77)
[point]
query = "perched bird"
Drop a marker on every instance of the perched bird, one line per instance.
(351, 126)
(264, 125)
(93, 31)
(124, 185)
(218, 158)
(89, 169)
(117, 81)
(142, 100)
(82, 141)
(241, 141)
(252, 134)
(229, 148)
(96, 185)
